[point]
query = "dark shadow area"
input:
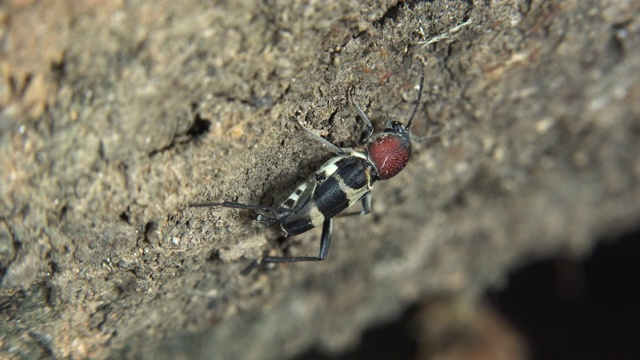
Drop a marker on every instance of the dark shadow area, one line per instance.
(576, 310)
(387, 341)
(564, 309)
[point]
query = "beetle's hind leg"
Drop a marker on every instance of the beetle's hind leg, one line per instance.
(266, 215)
(235, 205)
(325, 242)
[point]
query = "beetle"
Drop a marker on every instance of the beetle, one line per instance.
(343, 180)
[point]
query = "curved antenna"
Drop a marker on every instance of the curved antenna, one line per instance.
(418, 101)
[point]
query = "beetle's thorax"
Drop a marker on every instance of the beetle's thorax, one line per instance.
(390, 152)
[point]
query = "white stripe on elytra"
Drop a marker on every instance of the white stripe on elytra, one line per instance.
(328, 168)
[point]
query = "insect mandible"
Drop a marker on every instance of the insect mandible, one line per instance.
(343, 180)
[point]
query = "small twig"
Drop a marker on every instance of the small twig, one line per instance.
(448, 35)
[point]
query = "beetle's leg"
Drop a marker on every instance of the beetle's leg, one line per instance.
(250, 268)
(366, 204)
(333, 148)
(297, 201)
(325, 239)
(366, 207)
(236, 205)
(325, 242)
(368, 127)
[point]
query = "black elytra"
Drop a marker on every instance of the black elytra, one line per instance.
(340, 182)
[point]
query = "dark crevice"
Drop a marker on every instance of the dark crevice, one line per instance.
(615, 47)
(525, 6)
(101, 151)
(25, 85)
(44, 341)
(163, 149)
(254, 100)
(63, 212)
(214, 256)
(59, 70)
(199, 127)
(286, 91)
(148, 229)
(332, 117)
(281, 241)
(124, 217)
(150, 226)
(17, 247)
(99, 318)
(390, 15)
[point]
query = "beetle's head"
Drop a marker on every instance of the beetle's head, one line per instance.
(390, 150)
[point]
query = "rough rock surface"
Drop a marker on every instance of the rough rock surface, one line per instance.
(116, 115)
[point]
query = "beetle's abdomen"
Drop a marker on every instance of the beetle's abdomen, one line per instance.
(390, 153)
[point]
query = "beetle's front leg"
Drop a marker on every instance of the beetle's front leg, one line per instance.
(366, 207)
(368, 127)
(329, 145)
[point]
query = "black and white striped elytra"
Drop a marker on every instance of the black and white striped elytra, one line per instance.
(340, 182)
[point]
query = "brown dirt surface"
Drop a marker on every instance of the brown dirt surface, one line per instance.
(115, 115)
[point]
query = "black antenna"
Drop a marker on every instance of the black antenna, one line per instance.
(418, 101)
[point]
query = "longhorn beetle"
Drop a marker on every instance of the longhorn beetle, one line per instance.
(338, 184)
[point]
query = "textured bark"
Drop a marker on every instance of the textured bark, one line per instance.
(116, 115)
